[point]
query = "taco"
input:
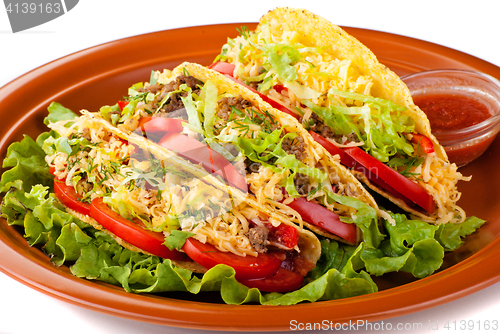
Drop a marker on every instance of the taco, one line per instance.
(288, 174)
(144, 198)
(354, 106)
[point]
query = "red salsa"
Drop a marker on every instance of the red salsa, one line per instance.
(448, 112)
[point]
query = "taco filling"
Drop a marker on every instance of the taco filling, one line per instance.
(285, 171)
(351, 104)
(156, 208)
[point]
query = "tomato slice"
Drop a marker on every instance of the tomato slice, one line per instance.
(122, 104)
(160, 124)
(246, 267)
(283, 234)
(149, 241)
(400, 183)
(283, 281)
(424, 142)
(319, 216)
(380, 174)
(69, 197)
(351, 163)
(197, 152)
(223, 67)
(228, 70)
(345, 158)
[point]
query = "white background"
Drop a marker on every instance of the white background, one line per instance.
(468, 26)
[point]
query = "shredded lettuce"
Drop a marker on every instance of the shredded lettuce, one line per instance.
(266, 149)
(192, 111)
(110, 113)
(282, 57)
(378, 123)
(336, 117)
(300, 91)
(365, 218)
(382, 103)
(210, 110)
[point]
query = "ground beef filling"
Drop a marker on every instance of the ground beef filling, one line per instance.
(326, 132)
(173, 108)
(302, 184)
(226, 105)
(295, 146)
(251, 166)
(318, 127)
(258, 236)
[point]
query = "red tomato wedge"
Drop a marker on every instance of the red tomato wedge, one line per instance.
(69, 197)
(160, 124)
(380, 174)
(197, 152)
(283, 281)
(319, 216)
(424, 142)
(228, 69)
(283, 234)
(246, 267)
(345, 158)
(395, 180)
(223, 67)
(149, 241)
(122, 104)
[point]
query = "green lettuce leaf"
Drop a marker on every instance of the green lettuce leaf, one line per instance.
(450, 235)
(26, 162)
(58, 112)
(210, 111)
(413, 246)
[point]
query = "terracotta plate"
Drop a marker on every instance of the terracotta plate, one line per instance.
(101, 75)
